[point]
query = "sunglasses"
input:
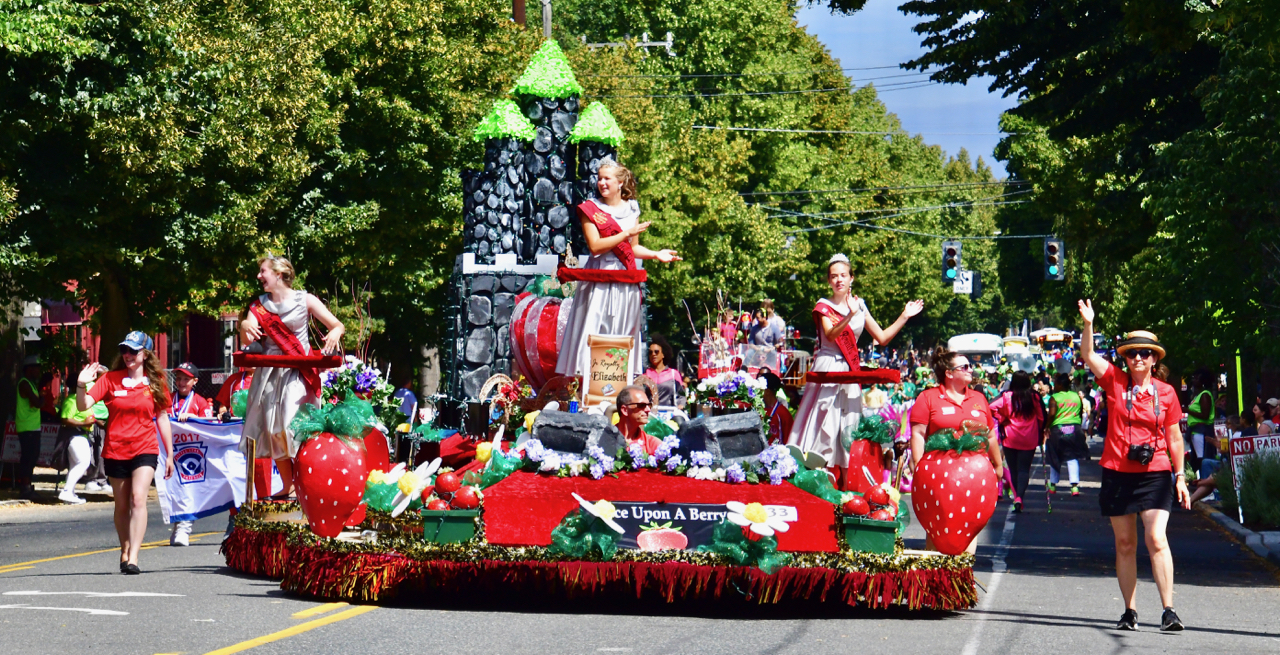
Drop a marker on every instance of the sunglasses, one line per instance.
(963, 367)
(1143, 353)
(639, 405)
(126, 350)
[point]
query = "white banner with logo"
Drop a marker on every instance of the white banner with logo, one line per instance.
(209, 471)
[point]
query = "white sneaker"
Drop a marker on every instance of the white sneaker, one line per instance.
(69, 497)
(95, 486)
(181, 531)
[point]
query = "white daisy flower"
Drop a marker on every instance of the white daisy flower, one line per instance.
(410, 485)
(755, 517)
(603, 510)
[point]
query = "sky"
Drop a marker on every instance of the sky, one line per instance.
(953, 116)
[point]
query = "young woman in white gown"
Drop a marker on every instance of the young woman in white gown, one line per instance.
(614, 308)
(827, 411)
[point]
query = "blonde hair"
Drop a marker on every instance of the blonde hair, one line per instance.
(626, 179)
(282, 267)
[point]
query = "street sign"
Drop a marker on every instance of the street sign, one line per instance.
(1245, 447)
(963, 283)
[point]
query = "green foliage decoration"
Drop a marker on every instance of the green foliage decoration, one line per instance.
(504, 120)
(548, 74)
(597, 124)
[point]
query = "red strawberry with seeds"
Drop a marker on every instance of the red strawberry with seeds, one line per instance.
(856, 506)
(881, 514)
(654, 537)
(953, 497)
(466, 498)
(330, 475)
(878, 496)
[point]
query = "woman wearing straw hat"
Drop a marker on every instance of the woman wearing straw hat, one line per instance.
(1141, 462)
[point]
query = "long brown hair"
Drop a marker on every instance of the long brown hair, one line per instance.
(626, 179)
(940, 362)
(157, 381)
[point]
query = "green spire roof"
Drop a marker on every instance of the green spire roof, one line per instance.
(504, 120)
(548, 74)
(597, 124)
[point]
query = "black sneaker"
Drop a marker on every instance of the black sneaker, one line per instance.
(131, 569)
(1128, 621)
(1170, 621)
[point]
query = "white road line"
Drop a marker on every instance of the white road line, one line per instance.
(998, 568)
(87, 610)
(94, 594)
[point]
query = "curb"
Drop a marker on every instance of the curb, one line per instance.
(1242, 534)
(15, 503)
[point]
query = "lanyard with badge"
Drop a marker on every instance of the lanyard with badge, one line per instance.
(185, 406)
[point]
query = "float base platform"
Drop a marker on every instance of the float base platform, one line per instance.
(400, 566)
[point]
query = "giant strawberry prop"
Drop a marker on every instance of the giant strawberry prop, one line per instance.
(331, 465)
(955, 489)
(865, 445)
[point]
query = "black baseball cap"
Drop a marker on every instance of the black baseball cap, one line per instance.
(188, 368)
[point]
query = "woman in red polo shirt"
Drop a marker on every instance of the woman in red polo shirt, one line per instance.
(136, 394)
(1141, 462)
(948, 405)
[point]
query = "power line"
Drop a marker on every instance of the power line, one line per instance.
(879, 188)
(726, 95)
(862, 80)
(798, 72)
(860, 223)
(949, 205)
(790, 131)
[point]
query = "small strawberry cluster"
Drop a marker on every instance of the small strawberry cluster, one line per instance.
(450, 493)
(879, 504)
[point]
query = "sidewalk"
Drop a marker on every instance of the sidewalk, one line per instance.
(1265, 544)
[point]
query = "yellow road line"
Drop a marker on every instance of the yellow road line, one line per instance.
(148, 545)
(12, 569)
(295, 630)
(318, 609)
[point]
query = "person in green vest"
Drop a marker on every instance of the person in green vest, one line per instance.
(1067, 442)
(27, 425)
(922, 375)
(1200, 416)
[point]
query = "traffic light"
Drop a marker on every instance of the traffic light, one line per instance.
(950, 261)
(1055, 254)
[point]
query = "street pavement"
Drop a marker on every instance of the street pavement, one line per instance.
(1048, 579)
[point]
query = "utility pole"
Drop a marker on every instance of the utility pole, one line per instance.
(546, 19)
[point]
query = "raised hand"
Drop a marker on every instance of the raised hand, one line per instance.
(913, 308)
(668, 256)
(88, 373)
(1086, 310)
(640, 227)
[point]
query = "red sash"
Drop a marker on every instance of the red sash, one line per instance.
(846, 341)
(607, 226)
(273, 326)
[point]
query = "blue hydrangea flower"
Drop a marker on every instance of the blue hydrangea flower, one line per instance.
(596, 471)
(700, 458)
(534, 451)
(775, 476)
(652, 462)
(734, 474)
(674, 462)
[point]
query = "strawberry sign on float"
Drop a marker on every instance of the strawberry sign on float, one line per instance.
(677, 526)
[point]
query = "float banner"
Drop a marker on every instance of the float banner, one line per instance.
(11, 450)
(610, 368)
(676, 526)
(208, 471)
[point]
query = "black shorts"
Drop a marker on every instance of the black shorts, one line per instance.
(124, 468)
(1130, 493)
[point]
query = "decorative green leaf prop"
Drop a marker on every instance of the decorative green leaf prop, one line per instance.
(499, 467)
(729, 542)
(580, 534)
(597, 124)
(504, 120)
(548, 74)
(970, 440)
(871, 428)
(818, 483)
(547, 286)
(347, 420)
(426, 432)
(379, 495)
(658, 428)
(240, 403)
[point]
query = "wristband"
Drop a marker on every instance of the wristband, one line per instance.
(1180, 475)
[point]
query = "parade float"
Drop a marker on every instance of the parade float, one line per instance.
(523, 498)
